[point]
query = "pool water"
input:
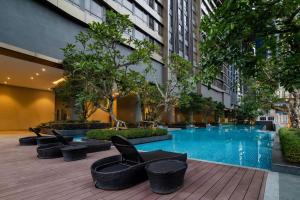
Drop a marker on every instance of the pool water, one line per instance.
(237, 145)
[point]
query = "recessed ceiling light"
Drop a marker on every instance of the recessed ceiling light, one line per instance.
(43, 69)
(5, 82)
(37, 74)
(31, 78)
(8, 78)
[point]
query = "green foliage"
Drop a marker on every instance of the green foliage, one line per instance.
(290, 144)
(97, 72)
(257, 100)
(191, 102)
(194, 103)
(106, 134)
(272, 28)
(73, 124)
(164, 96)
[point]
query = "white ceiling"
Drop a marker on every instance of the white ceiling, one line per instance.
(20, 72)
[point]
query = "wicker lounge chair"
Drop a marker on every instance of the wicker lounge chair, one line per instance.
(49, 151)
(31, 140)
(92, 145)
(128, 169)
(53, 150)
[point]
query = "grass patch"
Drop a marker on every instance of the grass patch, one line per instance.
(106, 134)
(290, 144)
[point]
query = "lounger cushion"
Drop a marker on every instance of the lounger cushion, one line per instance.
(159, 155)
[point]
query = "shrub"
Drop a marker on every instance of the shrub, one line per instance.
(106, 134)
(71, 125)
(290, 144)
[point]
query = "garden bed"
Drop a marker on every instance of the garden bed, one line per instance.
(290, 144)
(286, 151)
(133, 133)
(72, 128)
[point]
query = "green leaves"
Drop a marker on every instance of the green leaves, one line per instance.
(95, 68)
(260, 38)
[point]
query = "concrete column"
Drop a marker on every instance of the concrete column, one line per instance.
(138, 110)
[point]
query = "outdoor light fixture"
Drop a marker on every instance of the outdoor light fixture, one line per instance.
(31, 78)
(8, 78)
(58, 81)
(43, 69)
(37, 74)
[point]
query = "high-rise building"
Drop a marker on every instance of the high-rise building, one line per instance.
(33, 32)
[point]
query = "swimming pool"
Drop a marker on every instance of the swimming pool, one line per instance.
(237, 145)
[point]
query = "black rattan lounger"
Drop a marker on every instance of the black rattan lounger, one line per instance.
(128, 169)
(92, 145)
(54, 150)
(31, 140)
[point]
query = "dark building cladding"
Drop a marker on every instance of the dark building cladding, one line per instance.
(35, 27)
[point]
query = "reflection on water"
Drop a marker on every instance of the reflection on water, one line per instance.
(238, 145)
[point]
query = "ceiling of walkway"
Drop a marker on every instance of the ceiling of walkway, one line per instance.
(23, 73)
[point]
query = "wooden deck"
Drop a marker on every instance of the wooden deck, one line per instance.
(23, 176)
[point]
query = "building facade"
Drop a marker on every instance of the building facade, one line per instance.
(33, 32)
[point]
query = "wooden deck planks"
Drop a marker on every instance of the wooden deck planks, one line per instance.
(23, 176)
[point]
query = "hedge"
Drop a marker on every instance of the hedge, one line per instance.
(71, 125)
(290, 144)
(106, 134)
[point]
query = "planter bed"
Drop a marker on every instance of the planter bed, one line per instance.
(279, 163)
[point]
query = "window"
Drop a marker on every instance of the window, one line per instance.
(97, 10)
(262, 118)
(139, 35)
(141, 14)
(151, 23)
(128, 4)
(186, 50)
(76, 2)
(159, 9)
(151, 3)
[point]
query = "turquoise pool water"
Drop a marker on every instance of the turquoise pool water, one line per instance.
(238, 145)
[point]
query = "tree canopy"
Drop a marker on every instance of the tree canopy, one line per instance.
(100, 70)
(260, 38)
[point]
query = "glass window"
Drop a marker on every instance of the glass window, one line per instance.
(128, 4)
(97, 10)
(151, 23)
(139, 35)
(77, 2)
(159, 9)
(141, 14)
(151, 3)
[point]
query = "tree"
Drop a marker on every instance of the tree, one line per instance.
(96, 62)
(190, 103)
(258, 99)
(181, 80)
(219, 111)
(207, 108)
(261, 38)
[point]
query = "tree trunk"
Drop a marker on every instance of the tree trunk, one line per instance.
(118, 123)
(294, 109)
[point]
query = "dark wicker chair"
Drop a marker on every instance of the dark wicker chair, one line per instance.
(31, 140)
(128, 169)
(92, 145)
